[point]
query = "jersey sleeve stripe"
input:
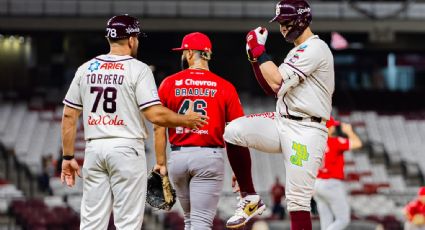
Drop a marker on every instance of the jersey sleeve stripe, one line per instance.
(126, 59)
(73, 105)
(296, 69)
(149, 103)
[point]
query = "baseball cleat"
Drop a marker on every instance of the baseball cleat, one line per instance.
(248, 207)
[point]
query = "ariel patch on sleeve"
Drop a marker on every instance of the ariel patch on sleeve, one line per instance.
(294, 58)
(301, 48)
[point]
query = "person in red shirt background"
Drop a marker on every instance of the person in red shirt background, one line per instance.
(278, 192)
(196, 163)
(330, 194)
(415, 212)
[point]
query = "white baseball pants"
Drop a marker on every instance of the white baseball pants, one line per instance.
(302, 144)
(332, 204)
(197, 174)
(114, 179)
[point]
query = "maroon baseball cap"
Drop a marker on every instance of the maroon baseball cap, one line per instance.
(122, 26)
(195, 41)
(332, 122)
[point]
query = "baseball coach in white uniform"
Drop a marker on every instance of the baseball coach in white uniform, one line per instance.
(116, 94)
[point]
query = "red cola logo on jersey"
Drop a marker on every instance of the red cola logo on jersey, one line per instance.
(105, 120)
(112, 65)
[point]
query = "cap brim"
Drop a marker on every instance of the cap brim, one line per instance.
(178, 49)
(274, 19)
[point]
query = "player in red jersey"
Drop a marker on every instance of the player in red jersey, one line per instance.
(330, 194)
(415, 212)
(196, 163)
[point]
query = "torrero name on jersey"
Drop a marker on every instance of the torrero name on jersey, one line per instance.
(190, 91)
(106, 79)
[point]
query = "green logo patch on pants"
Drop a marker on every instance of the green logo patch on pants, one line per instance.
(301, 154)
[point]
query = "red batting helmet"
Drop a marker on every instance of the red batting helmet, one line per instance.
(196, 41)
(296, 11)
(122, 26)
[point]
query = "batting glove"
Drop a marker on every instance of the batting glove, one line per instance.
(249, 53)
(256, 40)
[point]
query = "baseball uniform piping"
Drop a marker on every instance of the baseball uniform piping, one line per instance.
(141, 106)
(73, 105)
(112, 60)
(295, 68)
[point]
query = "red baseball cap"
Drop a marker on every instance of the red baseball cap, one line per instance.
(332, 122)
(421, 191)
(195, 41)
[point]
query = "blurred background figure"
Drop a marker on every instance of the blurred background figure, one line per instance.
(415, 212)
(330, 193)
(278, 193)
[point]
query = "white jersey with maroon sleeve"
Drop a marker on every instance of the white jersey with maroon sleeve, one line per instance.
(311, 64)
(111, 90)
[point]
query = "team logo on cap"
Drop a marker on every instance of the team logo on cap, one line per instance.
(130, 30)
(305, 10)
(278, 9)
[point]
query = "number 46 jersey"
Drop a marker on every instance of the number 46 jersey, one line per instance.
(111, 90)
(211, 95)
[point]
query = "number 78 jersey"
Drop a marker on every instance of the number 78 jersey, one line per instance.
(111, 90)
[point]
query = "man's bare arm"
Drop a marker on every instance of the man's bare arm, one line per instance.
(69, 129)
(162, 116)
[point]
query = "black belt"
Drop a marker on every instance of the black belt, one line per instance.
(178, 148)
(312, 119)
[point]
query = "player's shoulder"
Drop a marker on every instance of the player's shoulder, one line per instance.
(178, 77)
(137, 64)
(337, 140)
(221, 81)
(313, 44)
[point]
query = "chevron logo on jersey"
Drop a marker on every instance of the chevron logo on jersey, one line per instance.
(179, 82)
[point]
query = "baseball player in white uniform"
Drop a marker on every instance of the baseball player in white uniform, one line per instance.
(111, 90)
(303, 85)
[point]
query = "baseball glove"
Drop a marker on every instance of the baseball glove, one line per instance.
(160, 192)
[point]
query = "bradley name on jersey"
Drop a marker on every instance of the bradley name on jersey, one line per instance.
(195, 91)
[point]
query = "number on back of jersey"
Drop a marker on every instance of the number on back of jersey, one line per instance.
(199, 106)
(109, 98)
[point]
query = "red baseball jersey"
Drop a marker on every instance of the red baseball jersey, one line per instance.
(211, 95)
(333, 162)
(414, 207)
